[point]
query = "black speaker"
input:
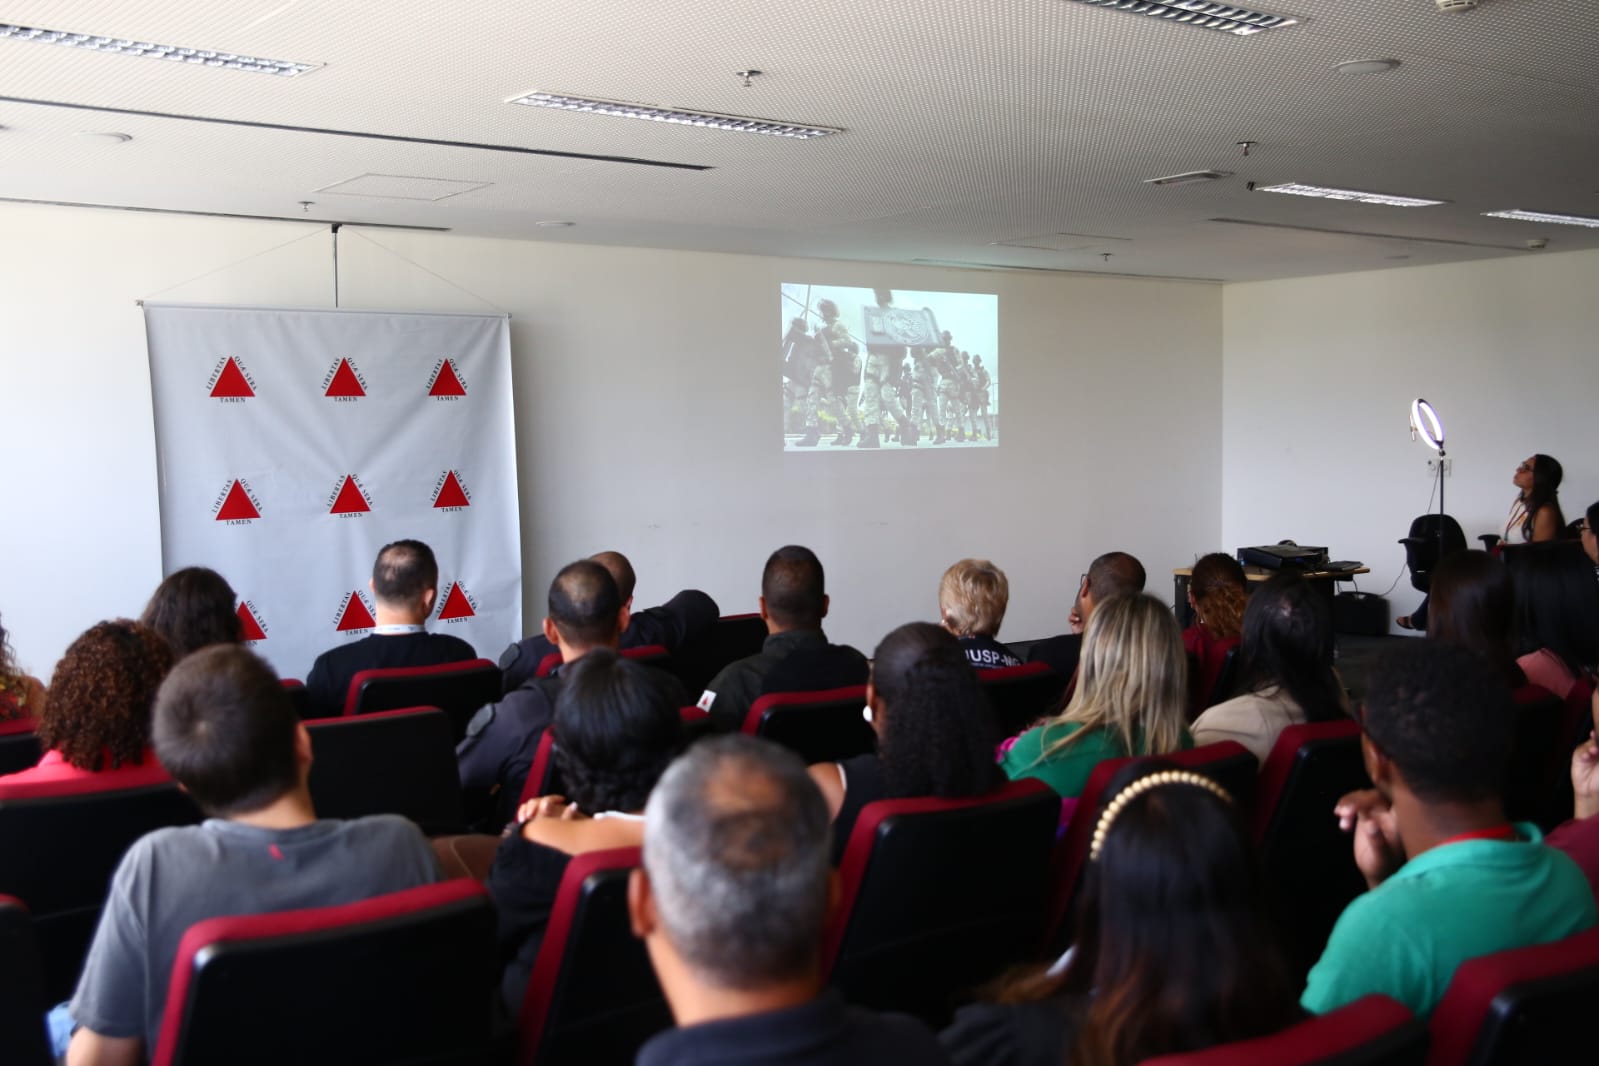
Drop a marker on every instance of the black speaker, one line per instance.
(1360, 614)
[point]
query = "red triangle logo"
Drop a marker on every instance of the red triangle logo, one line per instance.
(248, 626)
(350, 500)
(451, 494)
(355, 615)
(344, 382)
(447, 384)
(231, 381)
(456, 605)
(237, 505)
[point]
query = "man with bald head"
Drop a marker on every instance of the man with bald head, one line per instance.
(796, 656)
(586, 611)
(1111, 574)
(689, 614)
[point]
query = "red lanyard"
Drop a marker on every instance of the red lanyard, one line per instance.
(1498, 832)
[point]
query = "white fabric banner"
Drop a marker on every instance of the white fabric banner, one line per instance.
(293, 444)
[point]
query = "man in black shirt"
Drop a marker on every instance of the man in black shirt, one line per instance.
(731, 904)
(405, 582)
(796, 656)
(1109, 575)
(689, 614)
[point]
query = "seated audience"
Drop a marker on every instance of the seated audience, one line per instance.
(1557, 616)
(1175, 950)
(1473, 605)
(1590, 534)
(1451, 878)
(617, 734)
(1579, 837)
(1112, 574)
(21, 696)
(1535, 513)
(405, 583)
(1218, 592)
(1285, 669)
(796, 656)
(689, 614)
(935, 735)
(732, 903)
(971, 604)
(586, 612)
(192, 608)
(1131, 698)
(228, 734)
(97, 719)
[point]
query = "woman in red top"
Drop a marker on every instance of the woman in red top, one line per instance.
(1218, 592)
(97, 719)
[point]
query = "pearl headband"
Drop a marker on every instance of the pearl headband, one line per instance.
(1138, 788)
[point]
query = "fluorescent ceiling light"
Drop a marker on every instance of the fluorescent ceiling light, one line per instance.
(199, 57)
(1293, 188)
(1544, 216)
(1225, 18)
(1189, 177)
(676, 115)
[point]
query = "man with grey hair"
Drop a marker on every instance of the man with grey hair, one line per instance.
(732, 901)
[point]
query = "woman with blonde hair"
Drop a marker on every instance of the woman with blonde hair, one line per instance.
(1131, 698)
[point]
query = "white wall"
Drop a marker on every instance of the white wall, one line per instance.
(647, 414)
(1320, 372)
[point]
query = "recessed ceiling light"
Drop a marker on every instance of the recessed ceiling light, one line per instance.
(199, 57)
(1226, 18)
(1189, 177)
(1366, 66)
(675, 115)
(104, 138)
(1544, 216)
(1293, 188)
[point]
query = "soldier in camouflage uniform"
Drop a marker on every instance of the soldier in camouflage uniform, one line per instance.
(982, 381)
(835, 382)
(949, 394)
(799, 362)
(880, 388)
(924, 379)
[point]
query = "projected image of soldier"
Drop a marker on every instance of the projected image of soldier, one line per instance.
(835, 383)
(982, 381)
(947, 362)
(880, 389)
(799, 362)
(924, 390)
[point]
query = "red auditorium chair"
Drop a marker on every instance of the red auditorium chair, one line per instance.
(1211, 677)
(1228, 763)
(821, 726)
(298, 696)
(592, 996)
(1373, 1031)
(733, 637)
(22, 1001)
(649, 654)
(1309, 862)
(939, 896)
(457, 689)
(60, 842)
(544, 780)
(1021, 695)
(19, 745)
(391, 762)
(406, 977)
(1528, 1005)
(1576, 722)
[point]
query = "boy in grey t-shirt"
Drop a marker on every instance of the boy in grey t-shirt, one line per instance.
(225, 730)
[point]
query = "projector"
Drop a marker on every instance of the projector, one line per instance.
(1278, 556)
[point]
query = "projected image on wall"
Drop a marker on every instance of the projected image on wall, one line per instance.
(881, 368)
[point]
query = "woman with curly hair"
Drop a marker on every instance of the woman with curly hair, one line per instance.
(1218, 592)
(97, 719)
(1131, 698)
(935, 732)
(193, 608)
(21, 696)
(616, 731)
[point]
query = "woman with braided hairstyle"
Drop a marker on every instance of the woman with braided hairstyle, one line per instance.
(1175, 949)
(935, 731)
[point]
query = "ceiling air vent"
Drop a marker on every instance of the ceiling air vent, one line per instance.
(1225, 18)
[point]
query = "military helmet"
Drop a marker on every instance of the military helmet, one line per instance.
(828, 308)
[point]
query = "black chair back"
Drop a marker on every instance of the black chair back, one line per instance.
(1020, 695)
(407, 977)
(18, 751)
(22, 1001)
(939, 896)
(392, 762)
(58, 852)
(457, 689)
(820, 726)
(1424, 547)
(732, 638)
(592, 996)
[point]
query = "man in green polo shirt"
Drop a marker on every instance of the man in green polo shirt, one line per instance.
(1451, 878)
